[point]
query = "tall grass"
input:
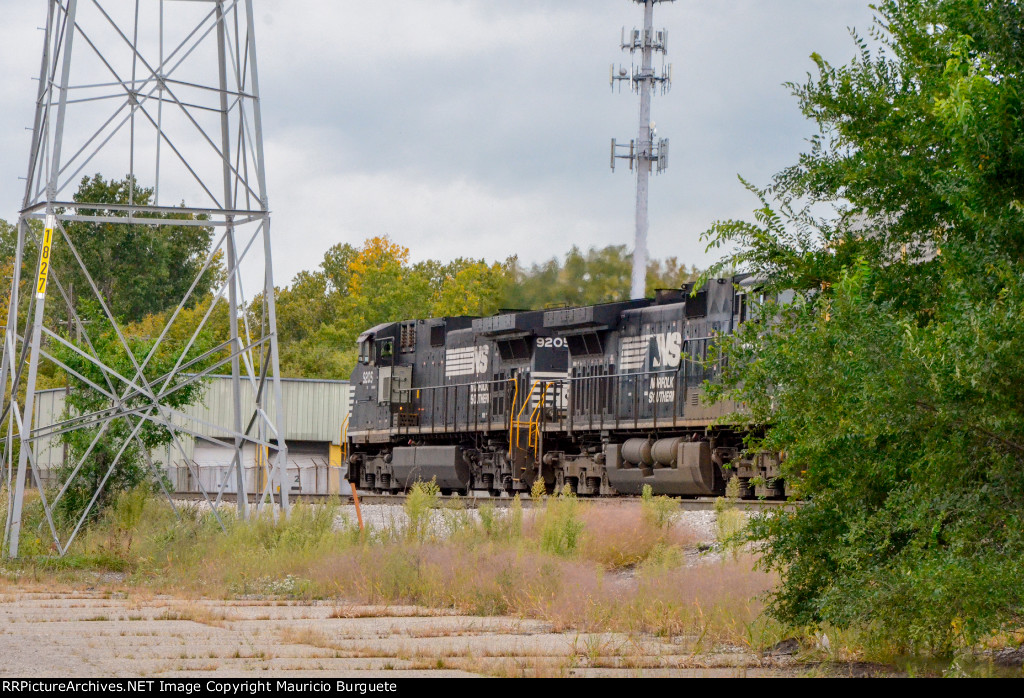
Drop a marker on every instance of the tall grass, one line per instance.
(576, 565)
(730, 522)
(36, 538)
(561, 528)
(658, 512)
(419, 503)
(505, 527)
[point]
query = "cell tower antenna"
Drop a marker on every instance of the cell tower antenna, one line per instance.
(645, 154)
(169, 94)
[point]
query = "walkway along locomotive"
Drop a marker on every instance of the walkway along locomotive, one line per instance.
(603, 398)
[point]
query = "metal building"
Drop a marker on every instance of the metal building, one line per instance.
(315, 414)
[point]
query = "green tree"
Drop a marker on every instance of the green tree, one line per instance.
(474, 288)
(310, 322)
(890, 381)
(120, 436)
(599, 275)
(670, 273)
(323, 311)
(139, 269)
(30, 256)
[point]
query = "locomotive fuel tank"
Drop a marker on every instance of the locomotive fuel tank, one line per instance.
(674, 466)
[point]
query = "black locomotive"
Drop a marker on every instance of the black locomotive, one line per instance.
(603, 398)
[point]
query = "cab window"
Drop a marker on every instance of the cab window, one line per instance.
(385, 350)
(366, 351)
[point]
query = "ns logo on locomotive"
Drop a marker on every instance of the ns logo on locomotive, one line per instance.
(603, 398)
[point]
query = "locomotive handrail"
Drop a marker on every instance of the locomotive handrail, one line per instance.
(517, 423)
(512, 421)
(533, 435)
(442, 402)
(579, 402)
(589, 409)
(343, 435)
(532, 425)
(592, 402)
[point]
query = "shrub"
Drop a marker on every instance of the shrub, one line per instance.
(730, 524)
(561, 527)
(457, 521)
(422, 498)
(539, 490)
(502, 526)
(659, 511)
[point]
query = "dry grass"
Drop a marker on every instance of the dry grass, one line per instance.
(617, 537)
(573, 565)
(198, 613)
(307, 636)
(709, 604)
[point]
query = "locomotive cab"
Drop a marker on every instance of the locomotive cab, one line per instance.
(372, 383)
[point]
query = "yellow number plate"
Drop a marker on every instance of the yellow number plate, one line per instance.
(44, 262)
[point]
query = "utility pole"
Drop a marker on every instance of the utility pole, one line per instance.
(645, 150)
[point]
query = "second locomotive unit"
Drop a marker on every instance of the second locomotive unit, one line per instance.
(603, 398)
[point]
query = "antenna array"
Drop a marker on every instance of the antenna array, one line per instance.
(646, 153)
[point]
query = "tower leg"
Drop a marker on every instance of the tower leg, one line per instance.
(26, 424)
(281, 462)
(241, 497)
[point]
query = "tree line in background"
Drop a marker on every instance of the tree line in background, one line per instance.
(323, 312)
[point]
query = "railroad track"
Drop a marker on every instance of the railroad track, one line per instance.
(472, 502)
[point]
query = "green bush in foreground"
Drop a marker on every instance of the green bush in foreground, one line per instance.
(891, 381)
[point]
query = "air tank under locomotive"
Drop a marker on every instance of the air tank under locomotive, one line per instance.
(603, 398)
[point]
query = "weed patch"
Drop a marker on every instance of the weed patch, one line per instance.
(564, 561)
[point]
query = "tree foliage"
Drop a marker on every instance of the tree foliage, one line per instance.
(128, 440)
(891, 381)
(141, 269)
(599, 275)
(323, 311)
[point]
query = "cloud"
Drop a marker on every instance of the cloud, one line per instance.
(435, 218)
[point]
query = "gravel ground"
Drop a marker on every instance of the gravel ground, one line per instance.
(700, 524)
(60, 632)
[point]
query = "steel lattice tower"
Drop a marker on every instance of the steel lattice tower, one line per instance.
(645, 150)
(172, 99)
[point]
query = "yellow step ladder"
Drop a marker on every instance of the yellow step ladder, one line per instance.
(530, 425)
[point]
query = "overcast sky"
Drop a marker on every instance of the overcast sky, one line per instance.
(482, 127)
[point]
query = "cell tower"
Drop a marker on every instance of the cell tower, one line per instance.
(645, 152)
(170, 96)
